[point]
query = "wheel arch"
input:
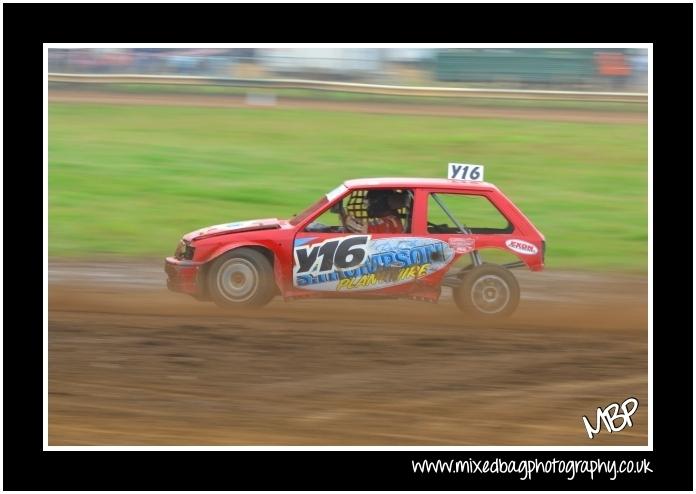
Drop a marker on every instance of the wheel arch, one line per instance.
(260, 248)
(462, 293)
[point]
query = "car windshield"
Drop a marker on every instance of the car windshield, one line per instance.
(298, 218)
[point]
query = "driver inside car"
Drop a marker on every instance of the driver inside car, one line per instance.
(382, 208)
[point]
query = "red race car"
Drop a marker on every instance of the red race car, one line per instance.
(369, 238)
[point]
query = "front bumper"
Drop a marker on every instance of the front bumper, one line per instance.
(182, 275)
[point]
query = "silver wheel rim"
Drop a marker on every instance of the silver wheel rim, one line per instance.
(237, 280)
(490, 294)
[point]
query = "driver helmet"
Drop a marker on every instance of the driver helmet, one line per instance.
(382, 202)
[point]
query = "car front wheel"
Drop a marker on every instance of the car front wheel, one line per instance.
(241, 278)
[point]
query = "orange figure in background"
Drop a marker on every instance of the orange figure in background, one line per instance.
(612, 64)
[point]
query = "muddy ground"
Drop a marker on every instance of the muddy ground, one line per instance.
(132, 364)
(233, 101)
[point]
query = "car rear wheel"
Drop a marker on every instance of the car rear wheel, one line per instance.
(241, 278)
(488, 292)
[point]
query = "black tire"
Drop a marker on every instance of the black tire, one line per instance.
(488, 292)
(241, 278)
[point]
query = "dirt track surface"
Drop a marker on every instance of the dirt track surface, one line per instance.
(232, 101)
(132, 364)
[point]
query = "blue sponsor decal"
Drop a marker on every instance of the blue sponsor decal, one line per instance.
(303, 241)
(359, 263)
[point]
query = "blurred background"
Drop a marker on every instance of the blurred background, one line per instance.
(147, 144)
(577, 68)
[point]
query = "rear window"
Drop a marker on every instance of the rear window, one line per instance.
(447, 212)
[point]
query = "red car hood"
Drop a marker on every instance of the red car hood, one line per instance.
(237, 226)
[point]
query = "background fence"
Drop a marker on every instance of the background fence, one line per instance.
(555, 69)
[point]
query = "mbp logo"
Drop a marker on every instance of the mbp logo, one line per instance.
(610, 415)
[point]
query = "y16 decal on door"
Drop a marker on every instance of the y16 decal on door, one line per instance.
(358, 263)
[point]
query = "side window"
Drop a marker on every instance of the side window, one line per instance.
(370, 211)
(475, 213)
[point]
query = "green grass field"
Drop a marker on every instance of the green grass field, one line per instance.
(130, 180)
(357, 97)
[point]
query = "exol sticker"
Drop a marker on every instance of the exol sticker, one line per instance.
(356, 262)
(522, 247)
(461, 245)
